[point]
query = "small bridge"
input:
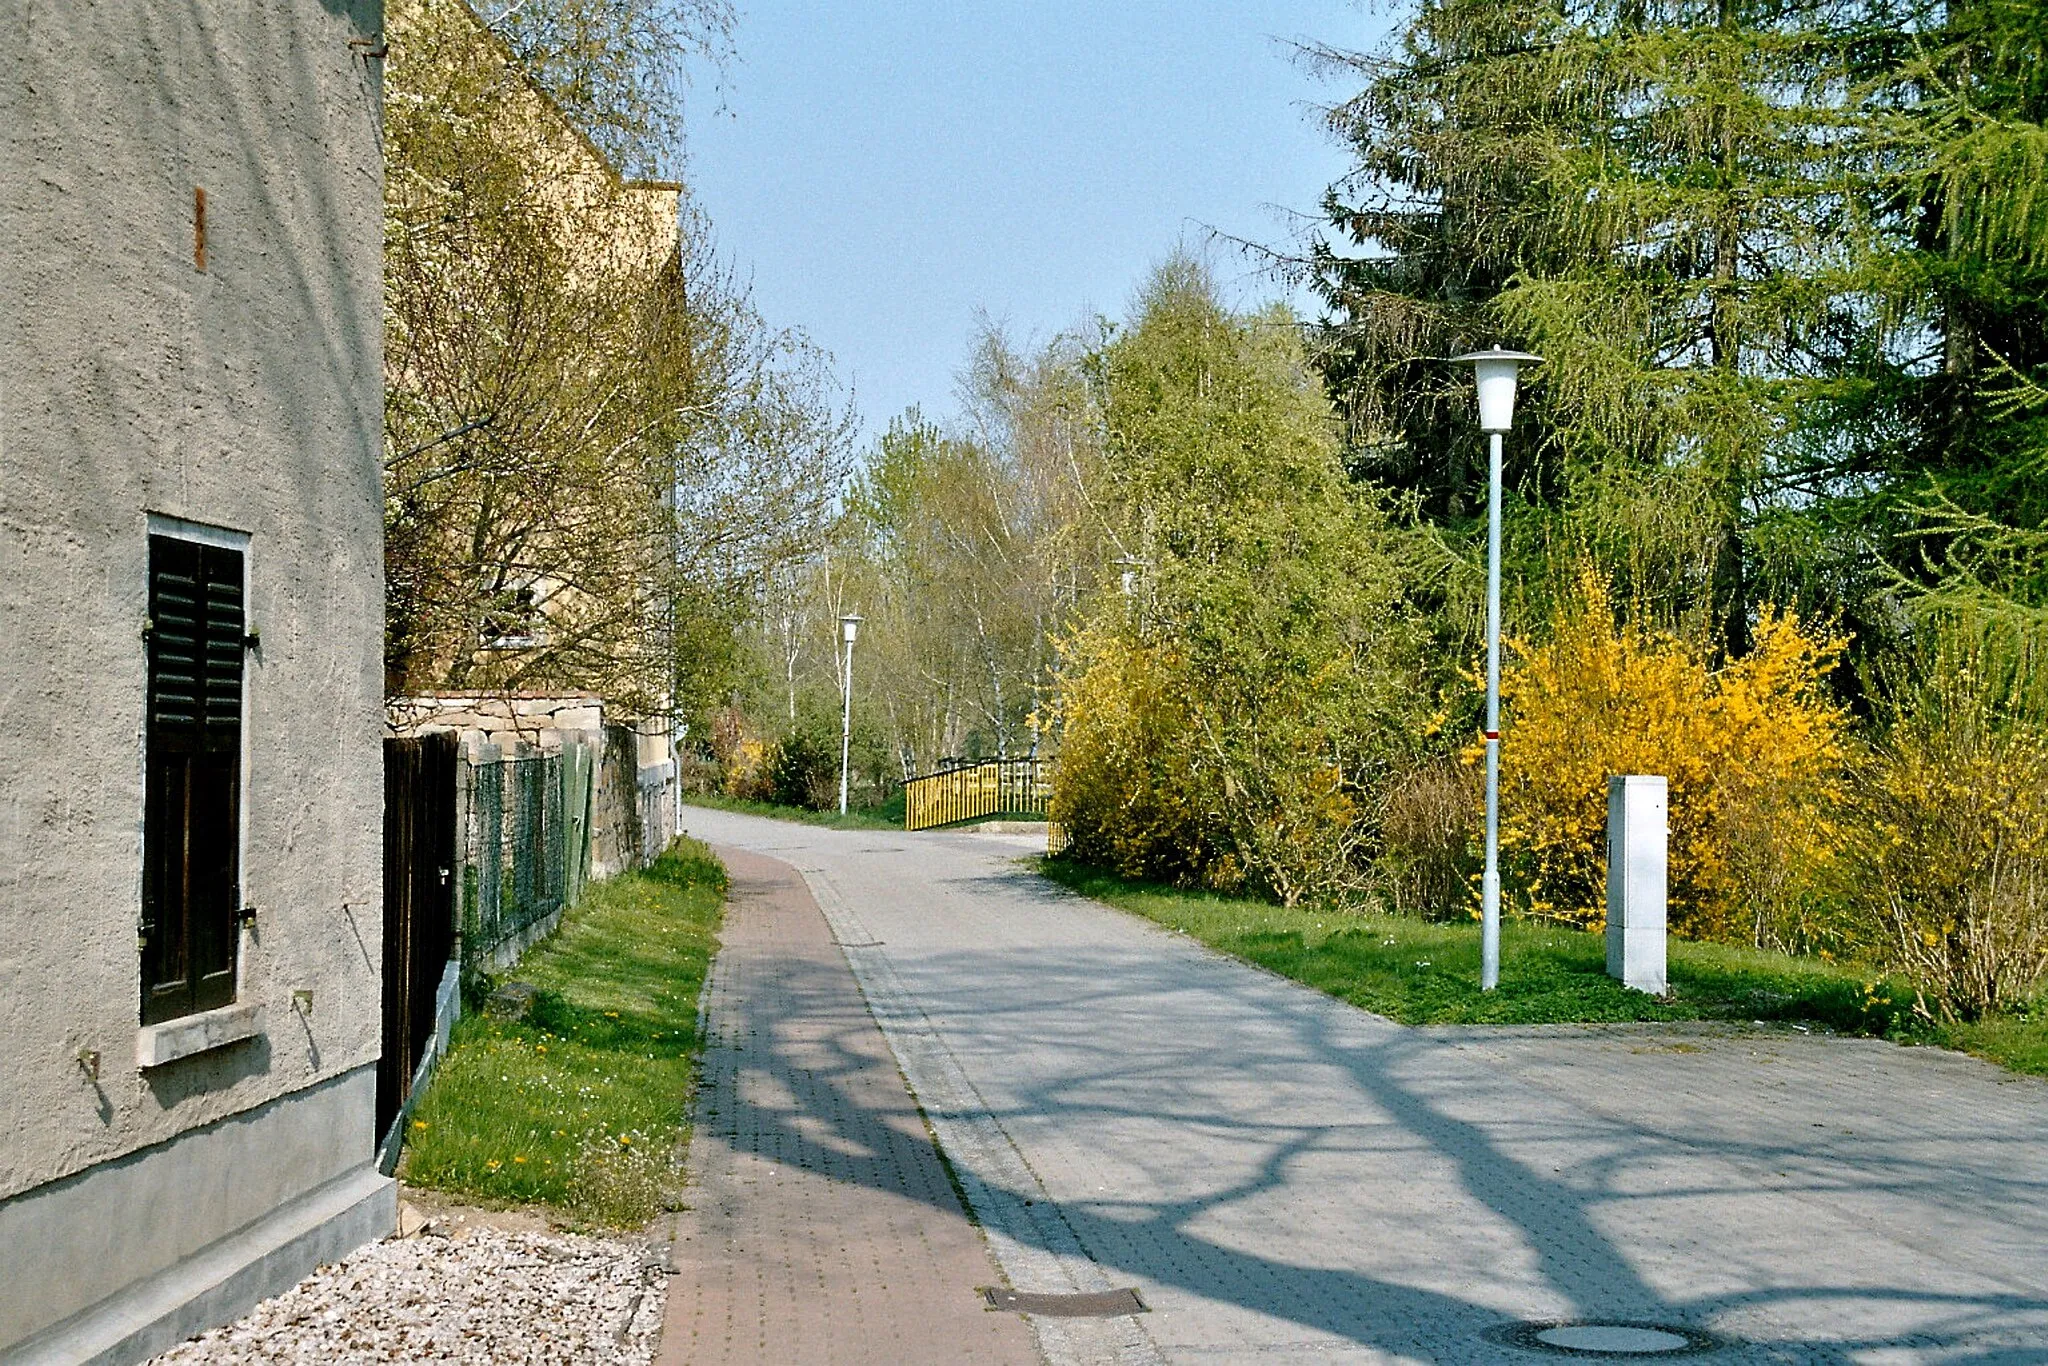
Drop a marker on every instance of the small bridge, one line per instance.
(967, 791)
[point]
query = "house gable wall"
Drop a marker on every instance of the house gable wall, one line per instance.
(245, 396)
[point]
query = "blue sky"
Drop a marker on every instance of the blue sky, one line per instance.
(882, 170)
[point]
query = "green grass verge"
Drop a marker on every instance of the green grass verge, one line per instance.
(2017, 1039)
(581, 1106)
(888, 816)
(1426, 973)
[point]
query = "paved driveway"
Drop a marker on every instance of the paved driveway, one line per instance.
(1284, 1177)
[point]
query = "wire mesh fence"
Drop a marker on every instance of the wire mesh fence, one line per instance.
(516, 853)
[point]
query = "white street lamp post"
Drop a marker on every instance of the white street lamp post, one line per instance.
(849, 627)
(1495, 372)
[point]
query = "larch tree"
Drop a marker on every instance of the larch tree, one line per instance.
(1673, 203)
(1966, 137)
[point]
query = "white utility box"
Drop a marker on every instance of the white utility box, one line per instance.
(1638, 834)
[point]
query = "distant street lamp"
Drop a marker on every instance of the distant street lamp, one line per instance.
(1495, 372)
(849, 627)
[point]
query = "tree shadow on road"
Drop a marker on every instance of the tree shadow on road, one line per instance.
(1446, 1199)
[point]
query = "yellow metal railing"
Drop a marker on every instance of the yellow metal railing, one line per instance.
(995, 787)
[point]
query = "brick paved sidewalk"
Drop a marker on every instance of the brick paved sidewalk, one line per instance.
(822, 1226)
(1284, 1177)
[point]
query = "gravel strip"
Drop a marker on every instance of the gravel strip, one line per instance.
(485, 1296)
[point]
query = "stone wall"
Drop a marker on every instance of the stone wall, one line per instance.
(634, 811)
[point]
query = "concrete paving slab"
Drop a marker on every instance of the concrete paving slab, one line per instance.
(1283, 1177)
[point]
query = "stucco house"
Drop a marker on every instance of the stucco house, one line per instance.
(190, 661)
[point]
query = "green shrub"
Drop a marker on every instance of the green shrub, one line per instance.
(1229, 715)
(1429, 838)
(802, 769)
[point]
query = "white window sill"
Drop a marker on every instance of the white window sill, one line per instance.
(158, 1044)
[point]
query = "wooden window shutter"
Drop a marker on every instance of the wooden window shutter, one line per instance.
(191, 885)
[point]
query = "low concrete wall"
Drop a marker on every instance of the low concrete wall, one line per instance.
(513, 949)
(617, 838)
(660, 806)
(226, 1280)
(106, 1254)
(447, 1010)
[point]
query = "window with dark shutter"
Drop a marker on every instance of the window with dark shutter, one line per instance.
(192, 814)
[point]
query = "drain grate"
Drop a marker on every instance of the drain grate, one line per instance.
(1610, 1339)
(1104, 1304)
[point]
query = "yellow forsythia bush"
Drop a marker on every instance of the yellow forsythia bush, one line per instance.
(741, 756)
(1754, 753)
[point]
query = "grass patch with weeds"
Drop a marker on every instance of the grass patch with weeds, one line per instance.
(1426, 972)
(2016, 1038)
(581, 1106)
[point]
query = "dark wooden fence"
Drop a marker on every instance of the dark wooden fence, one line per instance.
(419, 906)
(969, 791)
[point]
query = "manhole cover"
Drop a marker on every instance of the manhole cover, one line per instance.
(1596, 1339)
(1104, 1304)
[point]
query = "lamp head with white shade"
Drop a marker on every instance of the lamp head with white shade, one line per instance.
(1496, 370)
(849, 626)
